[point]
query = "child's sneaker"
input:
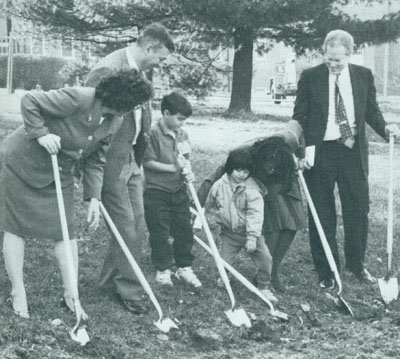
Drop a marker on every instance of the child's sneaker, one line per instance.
(186, 273)
(164, 278)
(269, 295)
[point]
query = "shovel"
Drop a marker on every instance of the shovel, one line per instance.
(339, 301)
(163, 323)
(78, 332)
(388, 285)
(251, 287)
(237, 316)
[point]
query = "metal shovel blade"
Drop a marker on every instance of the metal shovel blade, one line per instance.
(279, 314)
(238, 317)
(345, 306)
(340, 303)
(79, 335)
(389, 289)
(165, 325)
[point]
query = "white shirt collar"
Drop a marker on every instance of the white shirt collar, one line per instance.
(345, 74)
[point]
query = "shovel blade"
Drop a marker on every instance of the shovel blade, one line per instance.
(340, 303)
(280, 315)
(345, 306)
(389, 289)
(238, 317)
(165, 325)
(80, 336)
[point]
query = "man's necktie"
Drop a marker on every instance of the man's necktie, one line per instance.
(346, 137)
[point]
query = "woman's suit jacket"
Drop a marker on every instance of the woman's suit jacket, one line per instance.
(73, 114)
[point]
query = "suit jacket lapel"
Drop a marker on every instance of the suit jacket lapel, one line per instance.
(324, 91)
(355, 87)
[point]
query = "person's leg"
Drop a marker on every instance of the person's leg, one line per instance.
(116, 266)
(231, 245)
(135, 190)
(278, 243)
(321, 183)
(353, 190)
(181, 229)
(60, 254)
(158, 219)
(262, 259)
(13, 252)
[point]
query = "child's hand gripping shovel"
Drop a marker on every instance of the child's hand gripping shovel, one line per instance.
(251, 287)
(237, 317)
(78, 332)
(339, 301)
(164, 324)
(388, 285)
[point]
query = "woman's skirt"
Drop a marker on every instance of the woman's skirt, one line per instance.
(284, 213)
(33, 212)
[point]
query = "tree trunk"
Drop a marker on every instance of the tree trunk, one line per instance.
(242, 72)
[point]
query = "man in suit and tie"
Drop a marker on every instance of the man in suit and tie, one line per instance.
(334, 102)
(122, 193)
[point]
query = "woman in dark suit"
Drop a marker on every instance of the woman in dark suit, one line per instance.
(75, 123)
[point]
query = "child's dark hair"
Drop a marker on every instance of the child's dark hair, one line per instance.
(239, 159)
(124, 90)
(273, 162)
(176, 103)
(157, 31)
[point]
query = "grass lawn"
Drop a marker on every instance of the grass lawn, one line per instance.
(323, 332)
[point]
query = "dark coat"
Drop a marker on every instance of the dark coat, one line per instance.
(312, 106)
(121, 150)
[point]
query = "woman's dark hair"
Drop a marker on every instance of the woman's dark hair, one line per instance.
(124, 90)
(176, 103)
(273, 162)
(239, 159)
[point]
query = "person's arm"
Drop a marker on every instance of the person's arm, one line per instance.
(37, 108)
(160, 167)
(254, 217)
(151, 156)
(143, 137)
(373, 114)
(205, 186)
(301, 106)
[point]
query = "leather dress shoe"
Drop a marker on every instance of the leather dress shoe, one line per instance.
(134, 306)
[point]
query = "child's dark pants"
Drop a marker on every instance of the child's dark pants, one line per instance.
(167, 214)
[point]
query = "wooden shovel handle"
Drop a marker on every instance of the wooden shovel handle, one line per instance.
(389, 241)
(64, 229)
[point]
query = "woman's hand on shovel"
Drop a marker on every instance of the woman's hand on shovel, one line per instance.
(93, 216)
(51, 142)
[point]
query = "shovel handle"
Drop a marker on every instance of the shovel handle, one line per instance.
(389, 241)
(135, 267)
(65, 234)
(214, 249)
(324, 241)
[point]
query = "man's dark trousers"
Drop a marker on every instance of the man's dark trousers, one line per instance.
(336, 163)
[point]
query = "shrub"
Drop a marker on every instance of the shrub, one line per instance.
(28, 71)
